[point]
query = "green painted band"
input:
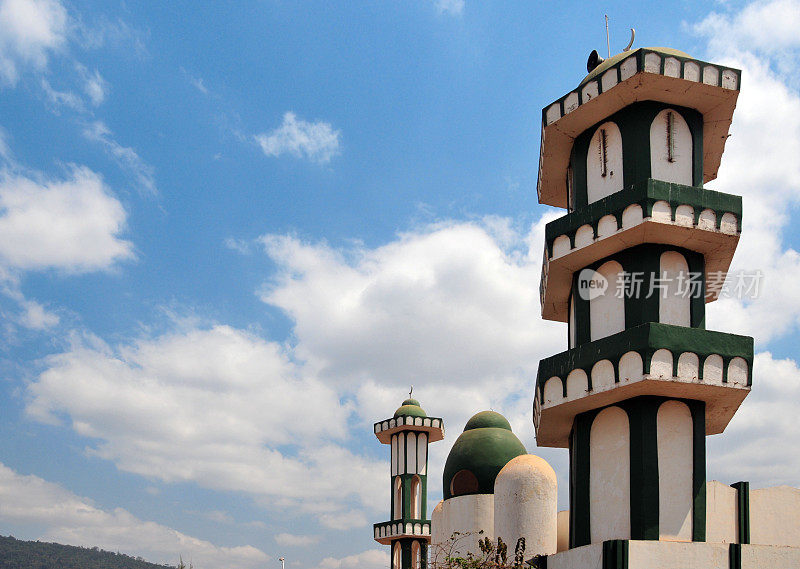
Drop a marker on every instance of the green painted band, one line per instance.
(644, 193)
(646, 339)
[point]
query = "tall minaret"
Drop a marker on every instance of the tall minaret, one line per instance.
(630, 267)
(409, 531)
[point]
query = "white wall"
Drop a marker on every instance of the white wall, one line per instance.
(673, 307)
(606, 311)
(609, 476)
(467, 515)
(438, 531)
(610, 154)
(679, 170)
(675, 467)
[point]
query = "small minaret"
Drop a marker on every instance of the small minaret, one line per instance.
(408, 531)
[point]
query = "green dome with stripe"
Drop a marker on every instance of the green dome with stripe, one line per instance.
(479, 454)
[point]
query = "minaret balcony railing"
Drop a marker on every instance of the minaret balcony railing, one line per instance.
(650, 359)
(386, 532)
(652, 211)
(432, 425)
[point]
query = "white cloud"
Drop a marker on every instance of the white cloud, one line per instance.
(36, 317)
(452, 309)
(768, 26)
(71, 519)
(292, 540)
(219, 407)
(29, 31)
(95, 87)
(72, 224)
(370, 559)
(447, 305)
(241, 246)
(126, 157)
(762, 443)
(760, 164)
(218, 516)
(317, 141)
(59, 99)
(199, 85)
(453, 7)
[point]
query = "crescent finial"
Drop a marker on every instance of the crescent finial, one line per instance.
(630, 44)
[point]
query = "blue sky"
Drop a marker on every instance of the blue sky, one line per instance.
(232, 238)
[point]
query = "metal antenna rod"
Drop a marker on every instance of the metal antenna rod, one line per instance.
(608, 39)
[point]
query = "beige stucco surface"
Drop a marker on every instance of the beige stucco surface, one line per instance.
(770, 557)
(674, 555)
(774, 518)
(588, 557)
(721, 513)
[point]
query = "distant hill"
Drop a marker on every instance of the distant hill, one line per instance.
(17, 554)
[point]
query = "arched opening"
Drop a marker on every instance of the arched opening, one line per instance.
(411, 453)
(675, 471)
(609, 476)
(396, 556)
(604, 163)
(416, 498)
(464, 482)
(676, 289)
(607, 307)
(671, 148)
(416, 555)
(398, 499)
(422, 453)
(394, 455)
(401, 454)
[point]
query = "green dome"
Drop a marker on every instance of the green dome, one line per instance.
(479, 454)
(487, 419)
(410, 408)
(611, 61)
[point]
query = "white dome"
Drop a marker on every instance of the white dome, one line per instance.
(526, 504)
